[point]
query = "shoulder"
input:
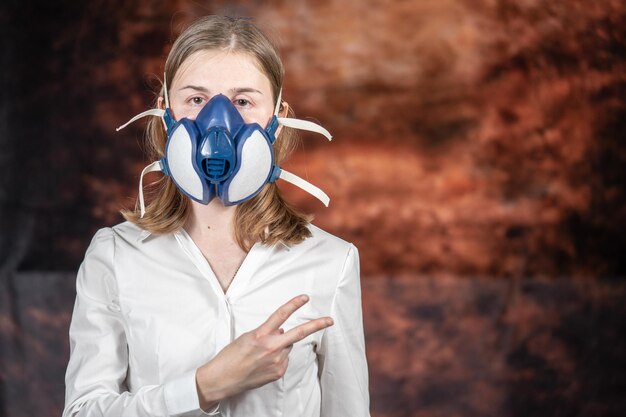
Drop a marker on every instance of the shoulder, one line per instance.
(337, 259)
(129, 231)
(101, 243)
(325, 247)
(322, 238)
(126, 230)
(107, 239)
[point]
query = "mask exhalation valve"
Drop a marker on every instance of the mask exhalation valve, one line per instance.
(215, 168)
(217, 155)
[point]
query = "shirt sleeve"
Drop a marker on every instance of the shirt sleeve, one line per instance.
(98, 365)
(341, 355)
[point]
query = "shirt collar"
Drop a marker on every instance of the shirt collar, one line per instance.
(143, 235)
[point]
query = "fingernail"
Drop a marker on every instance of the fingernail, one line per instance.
(304, 298)
(330, 322)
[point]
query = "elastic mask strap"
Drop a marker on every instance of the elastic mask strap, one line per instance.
(155, 166)
(167, 97)
(169, 120)
(151, 112)
(296, 123)
(278, 102)
(304, 125)
(305, 185)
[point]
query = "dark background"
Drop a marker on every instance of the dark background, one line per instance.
(478, 164)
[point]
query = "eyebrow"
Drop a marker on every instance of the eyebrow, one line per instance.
(232, 90)
(245, 90)
(194, 87)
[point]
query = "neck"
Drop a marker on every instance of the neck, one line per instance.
(211, 221)
(211, 228)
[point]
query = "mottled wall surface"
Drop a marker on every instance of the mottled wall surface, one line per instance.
(477, 143)
(436, 347)
(471, 137)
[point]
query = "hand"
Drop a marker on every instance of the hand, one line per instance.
(256, 357)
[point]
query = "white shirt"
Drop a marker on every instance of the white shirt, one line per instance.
(149, 311)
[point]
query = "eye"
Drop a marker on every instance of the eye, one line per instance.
(241, 102)
(197, 101)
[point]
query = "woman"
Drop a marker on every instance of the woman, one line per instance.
(208, 303)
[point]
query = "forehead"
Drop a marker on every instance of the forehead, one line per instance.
(221, 70)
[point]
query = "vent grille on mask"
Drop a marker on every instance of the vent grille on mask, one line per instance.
(215, 168)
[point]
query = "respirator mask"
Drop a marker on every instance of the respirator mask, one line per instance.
(219, 155)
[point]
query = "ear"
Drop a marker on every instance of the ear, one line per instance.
(161, 105)
(283, 112)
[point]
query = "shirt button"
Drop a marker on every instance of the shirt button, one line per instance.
(114, 307)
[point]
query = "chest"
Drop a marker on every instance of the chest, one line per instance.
(224, 262)
(182, 322)
(177, 316)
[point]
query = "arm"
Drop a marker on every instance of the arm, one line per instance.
(96, 373)
(341, 355)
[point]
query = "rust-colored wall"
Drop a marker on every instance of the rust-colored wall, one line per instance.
(436, 347)
(471, 137)
(478, 164)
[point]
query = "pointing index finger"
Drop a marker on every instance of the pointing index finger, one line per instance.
(283, 312)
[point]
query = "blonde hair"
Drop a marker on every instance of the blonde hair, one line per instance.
(267, 217)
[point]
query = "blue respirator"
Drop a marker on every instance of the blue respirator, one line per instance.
(219, 155)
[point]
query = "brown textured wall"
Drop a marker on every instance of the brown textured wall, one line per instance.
(478, 143)
(471, 137)
(436, 347)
